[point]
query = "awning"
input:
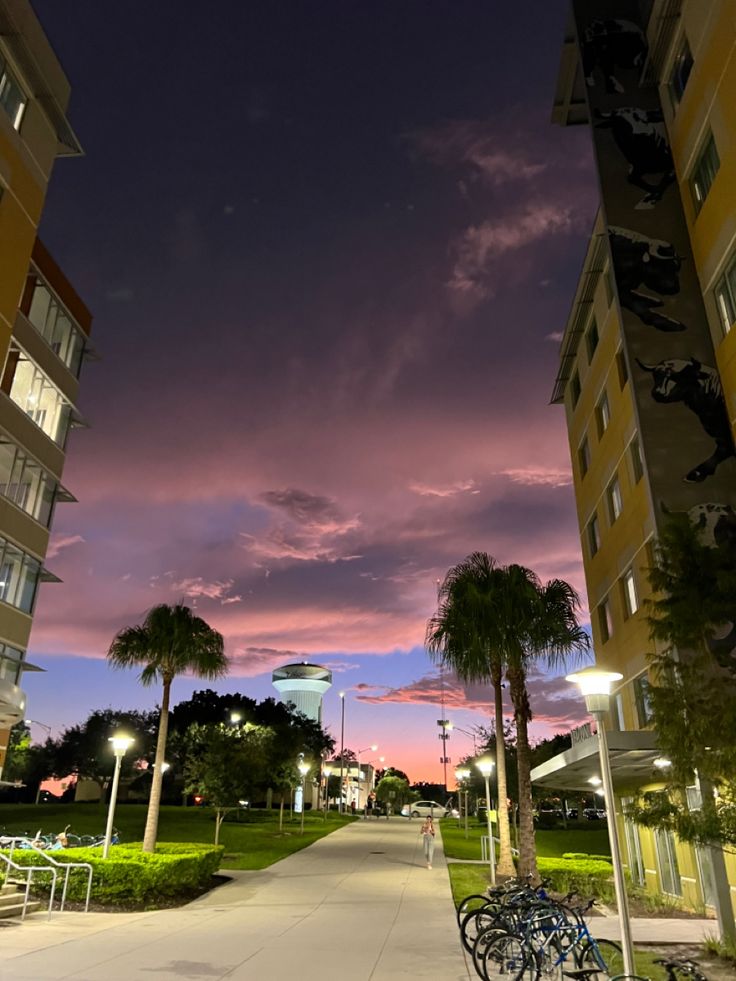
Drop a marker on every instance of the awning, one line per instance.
(632, 756)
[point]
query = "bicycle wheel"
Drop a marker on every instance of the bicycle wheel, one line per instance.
(481, 944)
(603, 954)
(474, 923)
(476, 901)
(507, 958)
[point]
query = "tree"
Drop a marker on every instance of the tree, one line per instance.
(691, 616)
(170, 641)
(394, 790)
(227, 764)
(463, 635)
(536, 621)
(84, 750)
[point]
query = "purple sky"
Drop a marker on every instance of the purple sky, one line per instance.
(330, 249)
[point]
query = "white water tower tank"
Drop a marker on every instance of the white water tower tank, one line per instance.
(304, 685)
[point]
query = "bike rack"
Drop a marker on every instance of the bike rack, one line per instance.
(27, 845)
(29, 870)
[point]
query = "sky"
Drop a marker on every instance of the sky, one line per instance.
(330, 249)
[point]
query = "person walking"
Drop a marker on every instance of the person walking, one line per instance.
(427, 833)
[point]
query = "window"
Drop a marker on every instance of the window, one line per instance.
(633, 845)
(25, 483)
(637, 464)
(628, 589)
(584, 457)
(643, 700)
(55, 325)
(34, 393)
(594, 540)
(602, 415)
(19, 576)
(623, 371)
(704, 172)
(613, 496)
(575, 389)
(605, 623)
(11, 660)
(619, 711)
(12, 98)
(669, 872)
(680, 73)
(725, 294)
(591, 339)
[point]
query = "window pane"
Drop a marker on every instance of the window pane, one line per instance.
(680, 73)
(593, 537)
(623, 371)
(614, 499)
(604, 621)
(592, 339)
(584, 457)
(7, 456)
(631, 600)
(603, 415)
(575, 389)
(10, 574)
(30, 572)
(11, 97)
(32, 391)
(643, 700)
(637, 464)
(705, 172)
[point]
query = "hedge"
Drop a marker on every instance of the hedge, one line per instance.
(130, 875)
(587, 876)
(585, 856)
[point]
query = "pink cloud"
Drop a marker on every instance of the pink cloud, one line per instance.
(59, 542)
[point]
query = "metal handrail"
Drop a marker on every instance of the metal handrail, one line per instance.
(29, 870)
(27, 845)
(484, 853)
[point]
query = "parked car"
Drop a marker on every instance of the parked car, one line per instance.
(427, 808)
(594, 813)
(572, 814)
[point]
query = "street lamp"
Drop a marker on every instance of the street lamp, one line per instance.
(304, 769)
(461, 775)
(120, 744)
(327, 770)
(595, 686)
(365, 749)
(466, 732)
(235, 718)
(485, 764)
(342, 752)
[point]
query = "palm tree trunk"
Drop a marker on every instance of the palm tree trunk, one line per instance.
(522, 714)
(154, 802)
(505, 859)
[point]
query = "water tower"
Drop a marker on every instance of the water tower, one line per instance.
(304, 685)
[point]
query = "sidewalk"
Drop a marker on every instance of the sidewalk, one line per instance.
(359, 904)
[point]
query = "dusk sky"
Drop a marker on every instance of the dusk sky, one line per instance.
(329, 248)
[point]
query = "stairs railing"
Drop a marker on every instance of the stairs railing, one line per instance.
(27, 844)
(28, 870)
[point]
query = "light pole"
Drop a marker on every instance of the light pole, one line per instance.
(485, 764)
(461, 775)
(595, 686)
(120, 744)
(365, 749)
(342, 752)
(304, 769)
(327, 770)
(465, 732)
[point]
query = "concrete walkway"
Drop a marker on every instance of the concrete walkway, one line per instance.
(359, 904)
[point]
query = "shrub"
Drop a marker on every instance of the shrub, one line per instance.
(586, 876)
(130, 875)
(584, 856)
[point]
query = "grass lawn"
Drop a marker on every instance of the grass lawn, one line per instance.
(251, 844)
(579, 837)
(468, 879)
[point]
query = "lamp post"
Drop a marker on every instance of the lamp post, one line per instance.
(365, 749)
(304, 769)
(461, 775)
(485, 764)
(595, 686)
(120, 744)
(342, 752)
(466, 732)
(327, 770)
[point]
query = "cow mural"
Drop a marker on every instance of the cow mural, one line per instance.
(641, 137)
(608, 44)
(650, 262)
(698, 387)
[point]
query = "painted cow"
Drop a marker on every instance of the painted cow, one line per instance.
(650, 262)
(699, 388)
(612, 43)
(641, 137)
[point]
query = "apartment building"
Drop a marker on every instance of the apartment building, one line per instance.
(44, 327)
(647, 373)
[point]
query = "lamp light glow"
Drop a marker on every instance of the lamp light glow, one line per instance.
(662, 763)
(485, 764)
(593, 681)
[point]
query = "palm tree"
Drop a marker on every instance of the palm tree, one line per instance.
(537, 621)
(169, 642)
(463, 635)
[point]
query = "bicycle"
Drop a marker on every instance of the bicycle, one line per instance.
(676, 968)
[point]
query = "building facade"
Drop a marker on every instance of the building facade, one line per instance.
(647, 370)
(44, 327)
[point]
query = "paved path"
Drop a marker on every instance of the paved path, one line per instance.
(357, 905)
